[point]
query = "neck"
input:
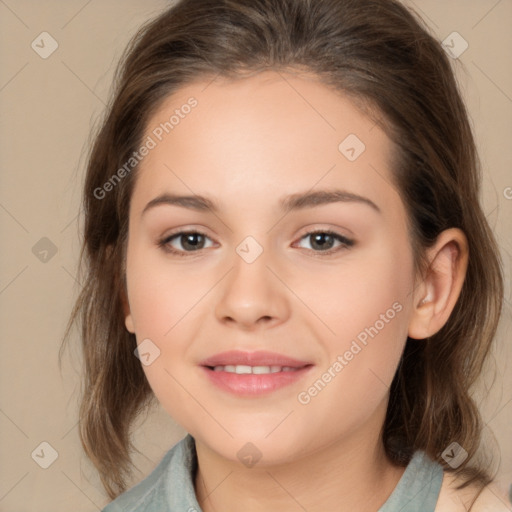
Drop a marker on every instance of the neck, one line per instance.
(351, 473)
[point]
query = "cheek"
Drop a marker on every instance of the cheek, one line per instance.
(365, 290)
(162, 295)
(368, 312)
(165, 303)
(367, 309)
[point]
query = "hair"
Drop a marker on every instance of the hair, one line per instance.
(381, 55)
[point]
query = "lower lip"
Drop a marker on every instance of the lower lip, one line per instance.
(248, 384)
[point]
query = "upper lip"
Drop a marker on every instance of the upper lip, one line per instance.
(258, 358)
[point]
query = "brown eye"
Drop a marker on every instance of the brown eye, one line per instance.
(184, 242)
(324, 241)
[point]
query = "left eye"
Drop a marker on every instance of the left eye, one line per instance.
(324, 240)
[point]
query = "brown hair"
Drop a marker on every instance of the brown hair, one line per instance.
(377, 52)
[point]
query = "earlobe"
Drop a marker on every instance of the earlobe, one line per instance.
(128, 322)
(435, 298)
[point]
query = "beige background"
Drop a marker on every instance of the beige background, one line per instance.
(48, 107)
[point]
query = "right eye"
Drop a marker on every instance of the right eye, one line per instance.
(190, 241)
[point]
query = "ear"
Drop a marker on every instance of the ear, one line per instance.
(437, 293)
(128, 320)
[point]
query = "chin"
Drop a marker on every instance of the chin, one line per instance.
(255, 444)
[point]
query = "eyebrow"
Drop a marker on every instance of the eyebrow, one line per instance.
(287, 203)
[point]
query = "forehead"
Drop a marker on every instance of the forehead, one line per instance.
(270, 132)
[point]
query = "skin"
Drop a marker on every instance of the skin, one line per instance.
(451, 499)
(245, 145)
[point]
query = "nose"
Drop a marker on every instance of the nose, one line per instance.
(251, 296)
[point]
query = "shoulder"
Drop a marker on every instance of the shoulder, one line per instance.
(168, 487)
(491, 499)
(149, 490)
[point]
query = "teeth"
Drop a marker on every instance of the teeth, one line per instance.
(258, 370)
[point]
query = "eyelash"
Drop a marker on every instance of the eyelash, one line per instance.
(346, 242)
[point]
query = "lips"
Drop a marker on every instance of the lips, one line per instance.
(259, 358)
(251, 374)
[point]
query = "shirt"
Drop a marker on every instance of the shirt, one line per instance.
(170, 486)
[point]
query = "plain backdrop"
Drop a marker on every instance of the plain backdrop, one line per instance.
(48, 107)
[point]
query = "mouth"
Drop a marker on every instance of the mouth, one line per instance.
(253, 373)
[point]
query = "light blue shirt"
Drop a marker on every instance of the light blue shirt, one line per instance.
(170, 486)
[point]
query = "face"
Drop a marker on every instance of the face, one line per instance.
(322, 282)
